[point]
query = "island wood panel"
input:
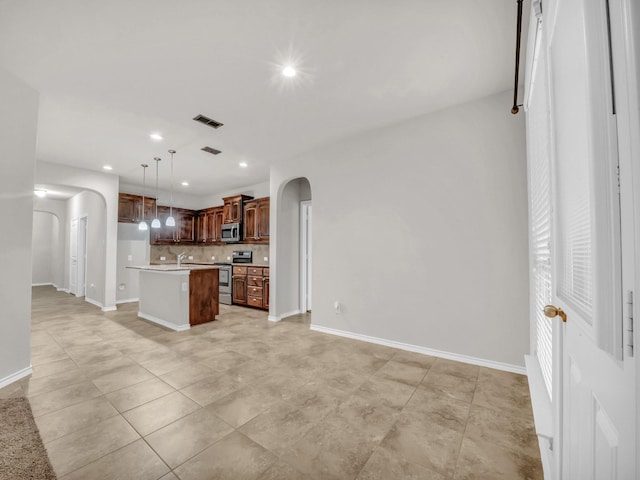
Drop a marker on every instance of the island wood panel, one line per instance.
(203, 296)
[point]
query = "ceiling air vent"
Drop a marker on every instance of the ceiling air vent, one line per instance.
(213, 151)
(208, 121)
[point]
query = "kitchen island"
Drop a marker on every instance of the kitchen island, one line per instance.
(178, 297)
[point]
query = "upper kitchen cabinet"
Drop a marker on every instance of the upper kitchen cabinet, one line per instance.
(186, 225)
(256, 220)
(234, 208)
(184, 232)
(130, 208)
(209, 225)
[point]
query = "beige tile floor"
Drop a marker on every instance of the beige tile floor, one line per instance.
(116, 397)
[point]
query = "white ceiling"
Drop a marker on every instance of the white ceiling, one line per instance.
(112, 72)
(57, 192)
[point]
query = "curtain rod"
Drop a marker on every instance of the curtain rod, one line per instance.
(516, 108)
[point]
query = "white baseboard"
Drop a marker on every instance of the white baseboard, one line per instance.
(15, 376)
(41, 284)
(159, 321)
(98, 304)
(127, 300)
(62, 289)
(93, 302)
(426, 351)
(277, 318)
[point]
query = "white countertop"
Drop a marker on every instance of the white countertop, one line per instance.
(173, 267)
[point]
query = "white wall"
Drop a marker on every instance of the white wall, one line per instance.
(93, 206)
(180, 199)
(106, 185)
(58, 208)
(134, 244)
(45, 236)
(18, 126)
(257, 190)
(420, 230)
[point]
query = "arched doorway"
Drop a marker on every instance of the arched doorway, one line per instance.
(78, 254)
(293, 240)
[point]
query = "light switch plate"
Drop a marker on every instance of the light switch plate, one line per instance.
(266, 259)
(190, 257)
(129, 257)
(163, 258)
(213, 257)
(184, 286)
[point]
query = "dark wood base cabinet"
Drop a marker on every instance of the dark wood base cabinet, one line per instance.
(250, 284)
(239, 289)
(203, 296)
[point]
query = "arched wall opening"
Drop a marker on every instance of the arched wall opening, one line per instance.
(84, 207)
(99, 195)
(287, 291)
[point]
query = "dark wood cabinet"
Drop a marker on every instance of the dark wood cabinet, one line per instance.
(185, 225)
(249, 286)
(239, 289)
(265, 291)
(233, 209)
(209, 225)
(202, 227)
(256, 220)
(184, 231)
(163, 235)
(130, 208)
(203, 296)
(127, 208)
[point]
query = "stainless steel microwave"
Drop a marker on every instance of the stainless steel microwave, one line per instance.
(231, 232)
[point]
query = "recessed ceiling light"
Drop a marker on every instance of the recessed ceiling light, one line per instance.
(155, 136)
(243, 164)
(289, 71)
(185, 184)
(108, 167)
(40, 193)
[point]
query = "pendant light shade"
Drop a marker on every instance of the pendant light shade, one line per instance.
(171, 222)
(143, 225)
(156, 221)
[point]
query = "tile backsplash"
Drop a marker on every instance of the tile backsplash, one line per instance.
(203, 253)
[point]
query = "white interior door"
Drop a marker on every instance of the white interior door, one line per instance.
(73, 257)
(598, 387)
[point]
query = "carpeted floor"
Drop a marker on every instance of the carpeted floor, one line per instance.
(22, 454)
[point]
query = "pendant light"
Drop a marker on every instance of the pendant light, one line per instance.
(171, 222)
(143, 225)
(156, 221)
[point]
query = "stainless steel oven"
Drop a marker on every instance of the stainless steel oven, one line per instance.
(224, 293)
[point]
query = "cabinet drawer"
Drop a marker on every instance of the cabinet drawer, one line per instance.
(265, 272)
(254, 301)
(239, 270)
(254, 281)
(255, 271)
(254, 291)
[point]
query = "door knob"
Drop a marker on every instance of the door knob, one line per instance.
(551, 311)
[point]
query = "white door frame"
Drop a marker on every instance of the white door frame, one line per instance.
(78, 250)
(83, 229)
(305, 254)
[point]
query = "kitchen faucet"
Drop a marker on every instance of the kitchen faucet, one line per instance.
(180, 258)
